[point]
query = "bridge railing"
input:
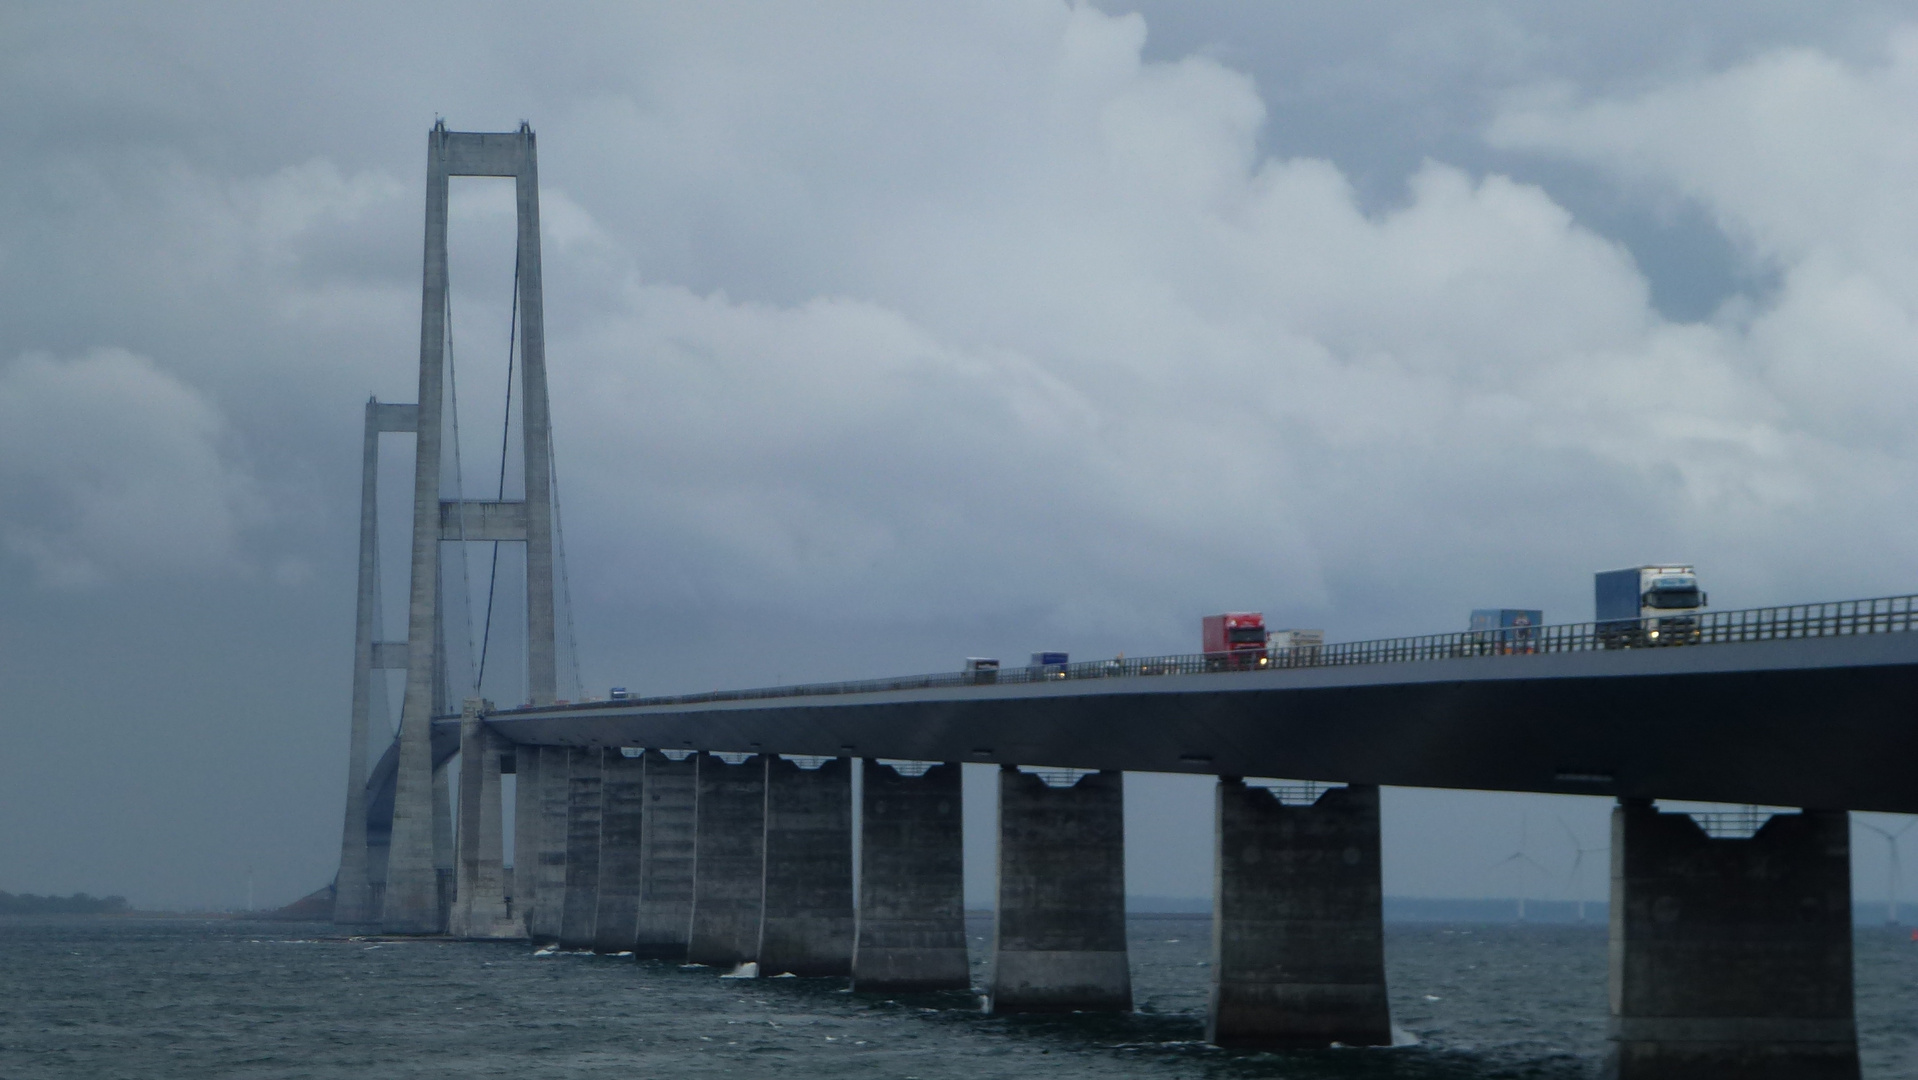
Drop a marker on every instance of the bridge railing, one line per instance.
(1885, 615)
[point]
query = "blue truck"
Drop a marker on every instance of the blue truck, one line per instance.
(1048, 665)
(1506, 630)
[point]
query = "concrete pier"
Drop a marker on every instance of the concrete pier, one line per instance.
(1059, 935)
(525, 836)
(1731, 957)
(583, 803)
(807, 924)
(1298, 935)
(729, 861)
(665, 907)
(621, 811)
(911, 934)
(479, 903)
(555, 772)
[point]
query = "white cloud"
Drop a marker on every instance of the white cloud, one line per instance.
(110, 467)
(1808, 163)
(861, 298)
(1796, 153)
(1140, 367)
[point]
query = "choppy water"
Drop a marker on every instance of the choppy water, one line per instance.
(143, 1000)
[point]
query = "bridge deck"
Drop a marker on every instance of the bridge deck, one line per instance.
(1814, 721)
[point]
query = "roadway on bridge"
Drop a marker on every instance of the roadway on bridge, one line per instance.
(1819, 722)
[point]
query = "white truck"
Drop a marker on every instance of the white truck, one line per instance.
(1647, 605)
(1294, 648)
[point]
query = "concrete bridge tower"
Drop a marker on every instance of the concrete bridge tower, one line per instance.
(417, 879)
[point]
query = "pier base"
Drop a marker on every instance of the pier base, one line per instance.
(582, 849)
(622, 800)
(1731, 957)
(807, 926)
(912, 877)
(526, 818)
(378, 848)
(1298, 935)
(479, 902)
(444, 879)
(1059, 934)
(729, 861)
(666, 857)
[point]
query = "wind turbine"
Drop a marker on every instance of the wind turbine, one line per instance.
(1891, 884)
(1523, 860)
(1579, 851)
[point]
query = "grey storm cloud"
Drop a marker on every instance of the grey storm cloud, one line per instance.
(884, 335)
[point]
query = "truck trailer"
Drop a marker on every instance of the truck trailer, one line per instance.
(1294, 648)
(1506, 630)
(1642, 606)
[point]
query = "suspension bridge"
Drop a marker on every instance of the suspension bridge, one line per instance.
(719, 828)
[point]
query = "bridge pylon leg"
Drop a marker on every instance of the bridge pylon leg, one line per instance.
(584, 801)
(353, 888)
(411, 899)
(911, 935)
(666, 857)
(621, 815)
(1731, 957)
(1059, 935)
(729, 859)
(1298, 935)
(806, 926)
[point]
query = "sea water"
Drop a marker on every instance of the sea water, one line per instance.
(146, 999)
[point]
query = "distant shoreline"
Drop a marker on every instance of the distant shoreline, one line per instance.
(76, 904)
(132, 914)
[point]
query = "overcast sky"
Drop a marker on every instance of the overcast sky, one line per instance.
(885, 334)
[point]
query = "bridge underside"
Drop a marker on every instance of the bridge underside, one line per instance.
(1825, 723)
(1764, 922)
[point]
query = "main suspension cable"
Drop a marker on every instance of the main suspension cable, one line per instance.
(505, 436)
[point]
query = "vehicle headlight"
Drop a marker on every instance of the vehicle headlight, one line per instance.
(1653, 635)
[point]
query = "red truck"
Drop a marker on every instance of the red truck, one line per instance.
(1234, 641)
